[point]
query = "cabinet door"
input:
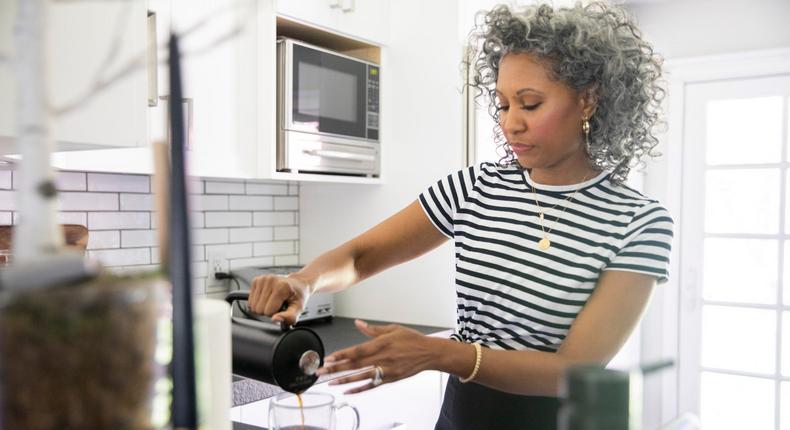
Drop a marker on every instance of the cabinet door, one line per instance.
(218, 51)
(95, 73)
(365, 19)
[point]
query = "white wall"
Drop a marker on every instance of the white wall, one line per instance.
(421, 142)
(687, 28)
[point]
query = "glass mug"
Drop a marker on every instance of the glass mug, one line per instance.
(317, 412)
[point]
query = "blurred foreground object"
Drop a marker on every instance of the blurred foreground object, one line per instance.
(81, 356)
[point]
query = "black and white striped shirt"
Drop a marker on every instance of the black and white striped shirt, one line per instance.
(510, 293)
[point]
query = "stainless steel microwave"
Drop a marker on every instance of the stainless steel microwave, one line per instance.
(327, 111)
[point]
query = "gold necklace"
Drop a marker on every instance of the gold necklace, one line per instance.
(545, 242)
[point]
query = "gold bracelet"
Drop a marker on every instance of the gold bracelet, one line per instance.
(478, 358)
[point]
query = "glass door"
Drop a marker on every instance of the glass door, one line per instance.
(735, 254)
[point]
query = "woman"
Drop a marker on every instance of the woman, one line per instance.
(556, 259)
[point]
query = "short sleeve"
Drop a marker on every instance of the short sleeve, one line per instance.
(442, 200)
(647, 244)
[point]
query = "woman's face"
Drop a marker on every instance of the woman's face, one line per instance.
(540, 118)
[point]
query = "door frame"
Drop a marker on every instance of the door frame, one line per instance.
(664, 181)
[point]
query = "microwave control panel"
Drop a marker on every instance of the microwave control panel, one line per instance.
(373, 103)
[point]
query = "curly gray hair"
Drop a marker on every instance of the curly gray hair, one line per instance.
(594, 46)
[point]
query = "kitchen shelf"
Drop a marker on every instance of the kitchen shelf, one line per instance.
(346, 45)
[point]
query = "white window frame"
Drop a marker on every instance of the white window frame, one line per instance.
(660, 328)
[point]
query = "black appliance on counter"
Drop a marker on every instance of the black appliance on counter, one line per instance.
(274, 353)
(319, 306)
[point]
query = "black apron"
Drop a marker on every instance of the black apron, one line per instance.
(473, 406)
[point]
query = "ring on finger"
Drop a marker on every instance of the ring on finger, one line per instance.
(378, 376)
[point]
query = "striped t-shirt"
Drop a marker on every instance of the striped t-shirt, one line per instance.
(510, 293)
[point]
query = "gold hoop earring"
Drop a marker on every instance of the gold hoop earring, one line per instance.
(586, 128)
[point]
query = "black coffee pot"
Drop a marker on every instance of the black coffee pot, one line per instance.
(274, 353)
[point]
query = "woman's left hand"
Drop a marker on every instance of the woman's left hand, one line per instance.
(398, 352)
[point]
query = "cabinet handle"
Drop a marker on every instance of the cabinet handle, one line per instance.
(338, 154)
(334, 4)
(189, 102)
(152, 60)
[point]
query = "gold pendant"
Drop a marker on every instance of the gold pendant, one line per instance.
(544, 244)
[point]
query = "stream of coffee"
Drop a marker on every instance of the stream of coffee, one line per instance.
(301, 408)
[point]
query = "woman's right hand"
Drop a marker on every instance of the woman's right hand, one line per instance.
(269, 293)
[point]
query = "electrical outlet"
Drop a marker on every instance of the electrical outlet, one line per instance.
(216, 263)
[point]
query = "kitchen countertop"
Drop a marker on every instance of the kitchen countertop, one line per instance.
(336, 334)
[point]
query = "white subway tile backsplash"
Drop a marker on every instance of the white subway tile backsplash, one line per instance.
(199, 286)
(7, 200)
(71, 181)
(263, 249)
(286, 203)
(253, 234)
(199, 269)
(286, 260)
(266, 189)
(197, 220)
(273, 218)
(80, 218)
(122, 257)
(195, 186)
(118, 220)
(198, 252)
(238, 263)
(5, 180)
(223, 187)
(118, 183)
(286, 233)
(251, 223)
(137, 202)
(236, 250)
(240, 203)
(201, 236)
(73, 201)
(228, 219)
(104, 239)
(137, 238)
(204, 202)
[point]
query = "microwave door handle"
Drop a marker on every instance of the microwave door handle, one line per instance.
(338, 154)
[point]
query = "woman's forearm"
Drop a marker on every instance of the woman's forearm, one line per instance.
(529, 373)
(331, 271)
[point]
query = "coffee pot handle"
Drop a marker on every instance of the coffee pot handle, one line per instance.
(339, 406)
(243, 296)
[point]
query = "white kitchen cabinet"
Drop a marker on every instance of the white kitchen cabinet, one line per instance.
(219, 59)
(362, 19)
(228, 53)
(218, 45)
(95, 74)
